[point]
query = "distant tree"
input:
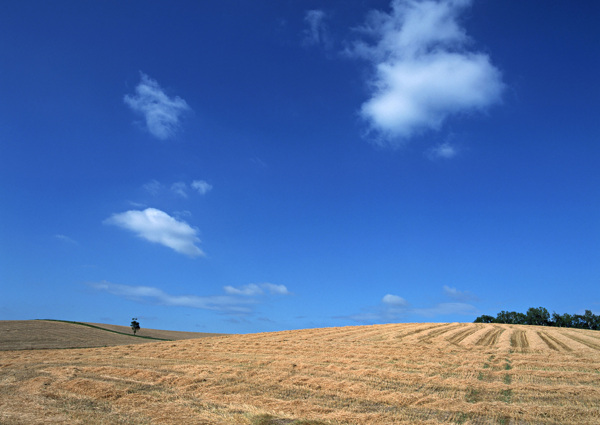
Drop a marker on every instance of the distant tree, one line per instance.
(511, 317)
(563, 320)
(538, 316)
(485, 319)
(578, 321)
(135, 325)
(590, 321)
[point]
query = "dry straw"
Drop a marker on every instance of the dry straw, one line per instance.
(386, 374)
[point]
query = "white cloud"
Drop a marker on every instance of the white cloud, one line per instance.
(394, 307)
(442, 151)
(157, 226)
(422, 71)
(179, 188)
(445, 309)
(66, 239)
(160, 111)
(394, 300)
(459, 295)
(254, 289)
(182, 213)
(316, 31)
(153, 187)
(246, 290)
(236, 300)
(201, 186)
(142, 293)
(276, 289)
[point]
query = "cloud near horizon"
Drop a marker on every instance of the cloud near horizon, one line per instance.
(161, 112)
(159, 227)
(148, 293)
(237, 300)
(394, 307)
(422, 71)
(443, 309)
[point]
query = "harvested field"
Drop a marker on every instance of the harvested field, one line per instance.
(460, 373)
(49, 334)
(156, 333)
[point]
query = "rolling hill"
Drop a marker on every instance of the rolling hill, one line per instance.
(55, 334)
(418, 373)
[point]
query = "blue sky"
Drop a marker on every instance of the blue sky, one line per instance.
(239, 167)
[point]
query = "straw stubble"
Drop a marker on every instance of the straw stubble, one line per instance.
(385, 374)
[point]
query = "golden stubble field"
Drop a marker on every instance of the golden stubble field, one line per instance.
(427, 373)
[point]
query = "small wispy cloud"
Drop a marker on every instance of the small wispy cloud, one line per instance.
(395, 307)
(446, 309)
(153, 187)
(180, 189)
(161, 112)
(159, 227)
(442, 151)
(246, 290)
(423, 72)
(394, 300)
(457, 295)
(201, 186)
(66, 239)
(316, 32)
(254, 289)
(391, 308)
(236, 300)
(276, 289)
(158, 296)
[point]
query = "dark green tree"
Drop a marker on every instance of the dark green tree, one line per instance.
(485, 319)
(135, 325)
(538, 316)
(511, 317)
(563, 320)
(590, 321)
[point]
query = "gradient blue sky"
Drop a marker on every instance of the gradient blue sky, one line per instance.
(235, 166)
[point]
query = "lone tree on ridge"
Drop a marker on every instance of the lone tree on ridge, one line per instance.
(135, 325)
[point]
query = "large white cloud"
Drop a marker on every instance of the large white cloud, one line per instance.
(160, 111)
(157, 226)
(422, 71)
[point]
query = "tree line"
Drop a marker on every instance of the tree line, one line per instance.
(539, 316)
